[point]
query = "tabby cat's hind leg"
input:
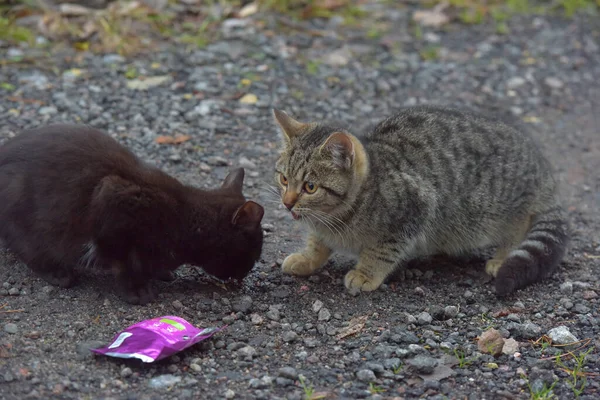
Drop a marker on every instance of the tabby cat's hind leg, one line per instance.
(519, 230)
(538, 255)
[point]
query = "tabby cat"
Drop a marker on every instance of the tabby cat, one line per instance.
(428, 180)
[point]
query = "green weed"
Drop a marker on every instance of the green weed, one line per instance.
(461, 356)
(545, 393)
(309, 390)
(11, 32)
(430, 53)
(131, 72)
(312, 67)
(577, 378)
(374, 389)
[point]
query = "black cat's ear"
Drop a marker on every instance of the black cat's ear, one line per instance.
(249, 214)
(340, 148)
(234, 180)
(289, 126)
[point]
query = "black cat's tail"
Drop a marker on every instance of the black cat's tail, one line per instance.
(538, 255)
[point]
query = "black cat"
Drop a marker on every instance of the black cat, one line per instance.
(72, 195)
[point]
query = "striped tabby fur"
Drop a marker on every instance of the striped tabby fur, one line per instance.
(425, 181)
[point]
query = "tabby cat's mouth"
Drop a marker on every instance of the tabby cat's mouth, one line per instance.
(296, 216)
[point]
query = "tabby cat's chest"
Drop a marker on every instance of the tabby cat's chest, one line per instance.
(344, 239)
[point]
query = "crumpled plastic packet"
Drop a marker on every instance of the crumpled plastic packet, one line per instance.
(155, 339)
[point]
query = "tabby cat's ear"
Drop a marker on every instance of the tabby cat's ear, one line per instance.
(289, 126)
(234, 180)
(250, 214)
(340, 148)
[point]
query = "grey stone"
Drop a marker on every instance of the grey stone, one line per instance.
(126, 372)
(177, 304)
(366, 375)
(113, 59)
(11, 328)
(566, 287)
(581, 309)
(324, 314)
(375, 367)
(290, 336)
(246, 163)
(561, 335)
(392, 363)
(216, 161)
(424, 318)
(47, 110)
(553, 82)
(404, 337)
(317, 305)
(247, 353)
(83, 349)
(422, 364)
(450, 311)
(288, 372)
(273, 314)
(243, 305)
(515, 82)
(13, 291)
(257, 383)
(164, 381)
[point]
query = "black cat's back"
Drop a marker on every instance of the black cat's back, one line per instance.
(47, 178)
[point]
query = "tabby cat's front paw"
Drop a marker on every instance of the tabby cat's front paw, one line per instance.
(357, 281)
(298, 264)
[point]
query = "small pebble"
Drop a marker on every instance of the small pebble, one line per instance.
(177, 304)
(288, 372)
(324, 314)
(290, 336)
(366, 375)
(126, 372)
(11, 328)
(424, 318)
(317, 305)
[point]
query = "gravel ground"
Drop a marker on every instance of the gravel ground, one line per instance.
(286, 337)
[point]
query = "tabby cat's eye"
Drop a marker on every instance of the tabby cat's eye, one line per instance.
(310, 187)
(284, 180)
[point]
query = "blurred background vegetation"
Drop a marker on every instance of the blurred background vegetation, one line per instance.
(132, 26)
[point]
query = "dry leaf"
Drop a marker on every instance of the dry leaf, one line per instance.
(164, 139)
(531, 119)
(249, 99)
(248, 10)
(356, 325)
(434, 17)
(74, 10)
(181, 139)
(177, 139)
(143, 84)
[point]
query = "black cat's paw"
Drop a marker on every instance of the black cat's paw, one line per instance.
(165, 275)
(63, 278)
(139, 295)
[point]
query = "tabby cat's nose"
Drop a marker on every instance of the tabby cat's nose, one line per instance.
(289, 205)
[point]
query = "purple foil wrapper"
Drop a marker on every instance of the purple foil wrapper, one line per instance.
(155, 339)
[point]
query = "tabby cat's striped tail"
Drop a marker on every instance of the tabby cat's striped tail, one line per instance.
(538, 255)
